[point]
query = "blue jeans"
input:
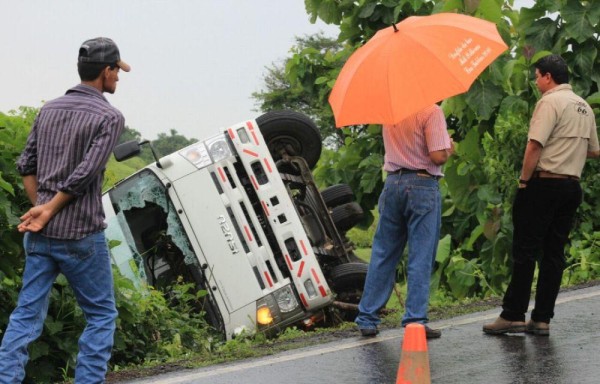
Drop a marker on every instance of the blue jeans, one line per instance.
(409, 211)
(86, 265)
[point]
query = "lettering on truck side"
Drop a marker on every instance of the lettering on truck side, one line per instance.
(228, 235)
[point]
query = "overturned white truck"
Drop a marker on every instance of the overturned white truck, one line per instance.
(239, 215)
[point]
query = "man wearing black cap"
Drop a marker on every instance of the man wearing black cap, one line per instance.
(62, 167)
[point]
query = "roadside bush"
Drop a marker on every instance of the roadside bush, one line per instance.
(152, 328)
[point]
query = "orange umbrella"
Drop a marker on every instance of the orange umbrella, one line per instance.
(406, 67)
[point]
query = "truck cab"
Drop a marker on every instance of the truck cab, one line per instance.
(240, 217)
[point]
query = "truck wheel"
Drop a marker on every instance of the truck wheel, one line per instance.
(346, 216)
(348, 281)
(337, 194)
(291, 132)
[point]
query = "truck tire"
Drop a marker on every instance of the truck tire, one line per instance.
(293, 133)
(337, 194)
(346, 216)
(348, 281)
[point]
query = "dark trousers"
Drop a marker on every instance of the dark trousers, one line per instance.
(543, 216)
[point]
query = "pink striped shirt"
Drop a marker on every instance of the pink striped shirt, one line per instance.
(408, 143)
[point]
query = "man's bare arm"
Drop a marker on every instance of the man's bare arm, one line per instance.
(440, 157)
(30, 183)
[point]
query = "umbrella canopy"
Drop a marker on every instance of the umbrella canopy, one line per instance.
(415, 63)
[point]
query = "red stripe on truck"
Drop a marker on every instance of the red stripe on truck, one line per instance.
(222, 174)
(303, 247)
(268, 165)
(314, 273)
(303, 300)
(265, 208)
(248, 233)
(289, 262)
(301, 268)
(322, 290)
(268, 279)
(251, 153)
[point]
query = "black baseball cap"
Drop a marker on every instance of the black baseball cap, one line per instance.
(101, 50)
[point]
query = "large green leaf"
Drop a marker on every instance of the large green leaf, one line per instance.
(443, 249)
(6, 186)
(540, 33)
(577, 24)
(515, 105)
(328, 12)
(584, 59)
(489, 10)
(483, 98)
(594, 99)
(367, 10)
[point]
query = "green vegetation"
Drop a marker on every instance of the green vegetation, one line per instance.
(489, 124)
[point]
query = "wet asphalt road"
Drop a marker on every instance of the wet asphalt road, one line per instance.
(463, 355)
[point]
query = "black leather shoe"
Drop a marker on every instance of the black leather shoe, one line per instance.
(369, 332)
(432, 333)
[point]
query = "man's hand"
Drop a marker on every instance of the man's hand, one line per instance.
(35, 219)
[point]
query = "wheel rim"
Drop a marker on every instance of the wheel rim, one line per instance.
(285, 142)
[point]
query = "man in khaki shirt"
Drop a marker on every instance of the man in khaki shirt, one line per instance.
(562, 135)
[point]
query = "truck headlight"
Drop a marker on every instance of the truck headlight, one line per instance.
(278, 307)
(218, 148)
(286, 300)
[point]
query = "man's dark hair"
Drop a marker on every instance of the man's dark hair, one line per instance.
(91, 71)
(556, 66)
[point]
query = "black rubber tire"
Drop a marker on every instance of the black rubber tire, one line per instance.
(348, 282)
(346, 216)
(337, 194)
(348, 276)
(293, 131)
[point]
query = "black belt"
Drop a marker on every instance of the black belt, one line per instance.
(420, 172)
(550, 175)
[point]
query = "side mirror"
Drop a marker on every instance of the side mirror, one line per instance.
(131, 148)
(127, 150)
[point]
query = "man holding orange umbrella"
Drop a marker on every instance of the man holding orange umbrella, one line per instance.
(395, 79)
(409, 212)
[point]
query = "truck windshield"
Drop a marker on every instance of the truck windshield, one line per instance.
(149, 242)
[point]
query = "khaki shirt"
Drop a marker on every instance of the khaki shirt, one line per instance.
(564, 124)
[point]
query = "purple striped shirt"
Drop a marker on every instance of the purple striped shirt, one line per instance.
(67, 149)
(408, 143)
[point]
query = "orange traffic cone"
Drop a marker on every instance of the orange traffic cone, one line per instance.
(414, 359)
